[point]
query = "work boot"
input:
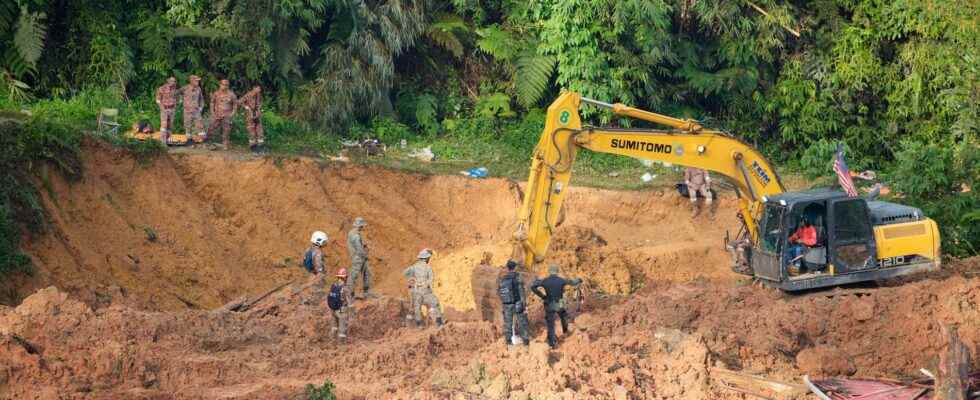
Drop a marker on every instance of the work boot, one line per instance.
(695, 209)
(713, 209)
(439, 322)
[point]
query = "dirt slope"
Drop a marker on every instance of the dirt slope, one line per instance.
(230, 225)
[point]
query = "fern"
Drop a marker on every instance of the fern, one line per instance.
(29, 37)
(497, 42)
(494, 105)
(444, 33)
(532, 76)
(426, 113)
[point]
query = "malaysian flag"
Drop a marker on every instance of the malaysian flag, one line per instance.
(843, 174)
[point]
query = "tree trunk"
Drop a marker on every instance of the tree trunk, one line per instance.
(953, 378)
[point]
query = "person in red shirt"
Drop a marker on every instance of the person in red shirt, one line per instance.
(805, 236)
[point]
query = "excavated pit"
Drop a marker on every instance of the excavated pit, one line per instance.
(139, 259)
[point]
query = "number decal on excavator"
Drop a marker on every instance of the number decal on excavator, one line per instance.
(564, 117)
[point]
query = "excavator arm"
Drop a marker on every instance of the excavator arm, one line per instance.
(687, 144)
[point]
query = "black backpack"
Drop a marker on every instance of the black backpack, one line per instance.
(507, 289)
(335, 299)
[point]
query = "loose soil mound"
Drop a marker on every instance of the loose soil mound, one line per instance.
(658, 344)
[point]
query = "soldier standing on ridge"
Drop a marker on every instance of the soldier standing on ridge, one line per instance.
(252, 101)
(224, 105)
(358, 257)
(193, 99)
(421, 276)
(698, 181)
(167, 101)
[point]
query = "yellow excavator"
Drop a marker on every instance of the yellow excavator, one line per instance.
(857, 239)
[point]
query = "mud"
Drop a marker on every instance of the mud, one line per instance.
(662, 308)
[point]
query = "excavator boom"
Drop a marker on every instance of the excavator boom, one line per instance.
(686, 144)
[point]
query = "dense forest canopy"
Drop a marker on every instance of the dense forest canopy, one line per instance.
(897, 81)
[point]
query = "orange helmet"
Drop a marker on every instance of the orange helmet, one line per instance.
(342, 273)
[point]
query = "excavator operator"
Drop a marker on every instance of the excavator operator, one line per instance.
(804, 237)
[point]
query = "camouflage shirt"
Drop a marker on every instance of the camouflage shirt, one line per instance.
(355, 244)
(421, 275)
(252, 101)
(167, 95)
(224, 103)
(193, 97)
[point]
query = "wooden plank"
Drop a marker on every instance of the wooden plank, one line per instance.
(756, 385)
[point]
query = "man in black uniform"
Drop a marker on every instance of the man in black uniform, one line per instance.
(510, 287)
(554, 306)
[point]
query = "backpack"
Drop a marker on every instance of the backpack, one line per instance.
(507, 291)
(308, 260)
(335, 299)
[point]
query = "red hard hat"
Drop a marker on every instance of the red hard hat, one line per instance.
(342, 272)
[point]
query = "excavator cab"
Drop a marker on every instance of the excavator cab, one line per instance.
(844, 251)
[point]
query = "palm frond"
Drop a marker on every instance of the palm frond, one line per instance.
(29, 37)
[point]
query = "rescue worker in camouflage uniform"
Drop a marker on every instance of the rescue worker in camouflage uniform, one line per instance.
(224, 105)
(340, 297)
(193, 101)
(252, 102)
(698, 181)
(358, 251)
(167, 101)
(513, 296)
(420, 276)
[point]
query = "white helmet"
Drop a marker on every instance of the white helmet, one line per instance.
(319, 238)
(425, 254)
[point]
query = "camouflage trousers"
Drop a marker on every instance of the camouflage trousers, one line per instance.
(427, 298)
(340, 321)
(256, 133)
(358, 267)
(225, 124)
(510, 314)
(166, 123)
(193, 123)
(704, 189)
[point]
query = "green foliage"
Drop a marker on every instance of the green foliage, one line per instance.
(324, 392)
(493, 105)
(445, 30)
(29, 37)
(386, 130)
(936, 177)
(532, 77)
(818, 160)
